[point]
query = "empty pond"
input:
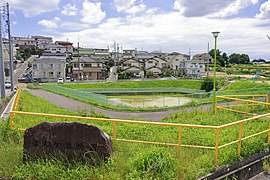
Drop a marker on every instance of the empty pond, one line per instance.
(149, 101)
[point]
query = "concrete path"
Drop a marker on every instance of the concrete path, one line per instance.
(73, 105)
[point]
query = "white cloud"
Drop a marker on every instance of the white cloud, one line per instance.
(72, 26)
(129, 6)
(50, 24)
(92, 12)
(264, 11)
(173, 32)
(211, 8)
(69, 10)
(33, 7)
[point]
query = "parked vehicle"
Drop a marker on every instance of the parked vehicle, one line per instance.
(7, 84)
(60, 80)
(68, 79)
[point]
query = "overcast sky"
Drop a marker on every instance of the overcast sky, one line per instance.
(167, 25)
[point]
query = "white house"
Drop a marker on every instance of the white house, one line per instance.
(53, 48)
(193, 68)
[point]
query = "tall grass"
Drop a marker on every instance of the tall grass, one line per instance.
(131, 160)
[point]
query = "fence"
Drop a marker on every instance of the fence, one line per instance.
(179, 145)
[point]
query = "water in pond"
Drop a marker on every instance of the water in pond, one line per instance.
(158, 101)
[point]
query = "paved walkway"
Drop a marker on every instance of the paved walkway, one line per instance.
(73, 105)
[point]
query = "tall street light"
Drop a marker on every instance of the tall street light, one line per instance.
(215, 34)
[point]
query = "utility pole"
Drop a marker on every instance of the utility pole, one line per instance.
(114, 58)
(10, 50)
(79, 68)
(2, 75)
(207, 68)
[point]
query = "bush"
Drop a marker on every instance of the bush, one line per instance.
(207, 84)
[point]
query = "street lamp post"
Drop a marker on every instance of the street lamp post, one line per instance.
(215, 34)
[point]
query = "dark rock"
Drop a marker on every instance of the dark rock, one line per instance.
(72, 141)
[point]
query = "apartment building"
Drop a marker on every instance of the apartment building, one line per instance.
(49, 68)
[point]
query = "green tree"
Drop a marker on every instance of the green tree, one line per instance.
(220, 58)
(239, 58)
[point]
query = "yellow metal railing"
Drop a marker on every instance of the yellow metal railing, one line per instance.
(180, 127)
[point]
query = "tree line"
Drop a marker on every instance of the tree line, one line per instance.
(224, 60)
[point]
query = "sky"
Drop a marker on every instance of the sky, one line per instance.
(152, 25)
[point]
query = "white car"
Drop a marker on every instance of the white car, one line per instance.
(68, 79)
(60, 80)
(7, 84)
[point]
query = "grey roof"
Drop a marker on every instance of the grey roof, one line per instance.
(88, 59)
(53, 54)
(48, 60)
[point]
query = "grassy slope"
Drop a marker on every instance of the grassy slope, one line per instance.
(191, 84)
(124, 163)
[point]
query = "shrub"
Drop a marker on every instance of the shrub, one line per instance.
(207, 84)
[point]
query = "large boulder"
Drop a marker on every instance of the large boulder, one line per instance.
(73, 141)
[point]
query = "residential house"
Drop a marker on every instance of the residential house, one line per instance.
(203, 57)
(193, 68)
(54, 48)
(128, 54)
(88, 68)
(155, 65)
(93, 52)
(132, 66)
(159, 54)
(49, 68)
(67, 45)
(175, 58)
(25, 42)
(42, 41)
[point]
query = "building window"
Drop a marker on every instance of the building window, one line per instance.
(59, 74)
(51, 74)
(198, 71)
(150, 62)
(59, 66)
(87, 65)
(75, 65)
(34, 66)
(50, 66)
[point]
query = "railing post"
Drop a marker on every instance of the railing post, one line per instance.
(11, 119)
(240, 139)
(236, 105)
(215, 111)
(216, 147)
(114, 132)
(179, 141)
(269, 134)
(253, 99)
(266, 101)
(58, 119)
(246, 108)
